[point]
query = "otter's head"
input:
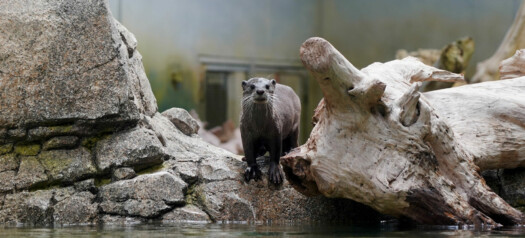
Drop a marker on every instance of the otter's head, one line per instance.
(258, 90)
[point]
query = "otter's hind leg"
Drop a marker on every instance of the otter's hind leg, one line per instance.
(291, 142)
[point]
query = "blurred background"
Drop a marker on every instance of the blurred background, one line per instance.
(197, 52)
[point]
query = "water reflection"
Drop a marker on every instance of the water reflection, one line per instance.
(251, 230)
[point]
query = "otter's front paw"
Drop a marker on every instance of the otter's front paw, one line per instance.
(275, 175)
(252, 172)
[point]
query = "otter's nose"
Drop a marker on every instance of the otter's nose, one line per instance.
(260, 92)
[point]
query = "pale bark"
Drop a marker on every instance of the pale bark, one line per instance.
(514, 66)
(454, 57)
(487, 70)
(379, 141)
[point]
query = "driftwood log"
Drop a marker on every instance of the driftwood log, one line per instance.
(454, 57)
(514, 39)
(379, 141)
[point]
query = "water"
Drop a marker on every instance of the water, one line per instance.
(252, 230)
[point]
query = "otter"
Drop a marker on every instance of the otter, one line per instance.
(269, 123)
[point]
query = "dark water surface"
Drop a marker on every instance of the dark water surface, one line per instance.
(253, 230)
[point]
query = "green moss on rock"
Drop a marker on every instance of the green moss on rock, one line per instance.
(99, 182)
(54, 164)
(27, 149)
(150, 170)
(4, 149)
(194, 195)
(67, 165)
(49, 131)
(60, 142)
(90, 142)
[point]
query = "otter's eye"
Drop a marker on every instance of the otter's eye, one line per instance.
(252, 87)
(267, 86)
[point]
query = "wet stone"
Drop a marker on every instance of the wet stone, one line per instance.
(188, 213)
(61, 142)
(121, 220)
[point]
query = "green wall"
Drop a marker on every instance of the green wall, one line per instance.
(172, 34)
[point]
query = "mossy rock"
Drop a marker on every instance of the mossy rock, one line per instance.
(27, 149)
(30, 173)
(67, 165)
(4, 149)
(90, 142)
(61, 142)
(195, 195)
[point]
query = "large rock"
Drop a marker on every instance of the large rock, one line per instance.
(30, 173)
(67, 60)
(146, 195)
(67, 165)
(28, 208)
(74, 207)
(189, 213)
(232, 199)
(137, 147)
(182, 120)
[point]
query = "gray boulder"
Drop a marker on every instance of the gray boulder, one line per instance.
(146, 195)
(67, 165)
(123, 173)
(57, 50)
(74, 207)
(136, 148)
(182, 120)
(30, 173)
(28, 208)
(189, 213)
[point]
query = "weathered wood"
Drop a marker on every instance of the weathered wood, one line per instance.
(514, 39)
(514, 66)
(454, 57)
(379, 141)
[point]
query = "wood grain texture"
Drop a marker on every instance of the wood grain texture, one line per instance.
(379, 141)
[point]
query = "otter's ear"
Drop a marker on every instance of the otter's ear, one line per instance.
(244, 84)
(273, 82)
